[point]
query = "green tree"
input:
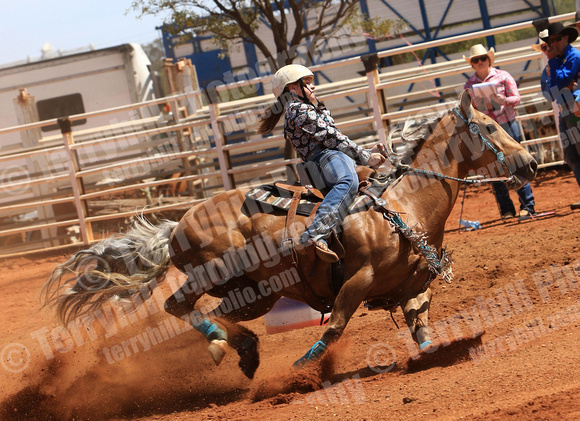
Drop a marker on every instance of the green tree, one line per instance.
(293, 23)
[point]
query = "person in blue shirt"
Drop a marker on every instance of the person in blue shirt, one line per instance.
(563, 71)
(545, 77)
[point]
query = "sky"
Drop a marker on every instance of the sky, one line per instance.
(26, 25)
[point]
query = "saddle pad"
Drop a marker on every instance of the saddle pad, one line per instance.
(268, 197)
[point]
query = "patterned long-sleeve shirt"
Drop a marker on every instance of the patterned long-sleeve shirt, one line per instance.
(311, 130)
(506, 86)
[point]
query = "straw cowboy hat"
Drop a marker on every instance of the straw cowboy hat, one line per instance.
(557, 28)
(542, 34)
(479, 50)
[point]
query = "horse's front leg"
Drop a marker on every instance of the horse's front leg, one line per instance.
(350, 296)
(416, 312)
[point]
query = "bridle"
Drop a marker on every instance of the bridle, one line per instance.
(486, 143)
(439, 263)
(474, 129)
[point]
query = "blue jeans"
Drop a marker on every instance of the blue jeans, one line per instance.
(571, 141)
(339, 174)
(500, 190)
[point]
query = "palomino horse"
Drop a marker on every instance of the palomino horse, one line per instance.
(228, 253)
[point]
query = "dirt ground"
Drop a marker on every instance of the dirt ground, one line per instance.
(506, 335)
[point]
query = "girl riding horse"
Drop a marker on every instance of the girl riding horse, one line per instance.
(311, 130)
(380, 264)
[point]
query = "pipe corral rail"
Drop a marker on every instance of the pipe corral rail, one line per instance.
(70, 189)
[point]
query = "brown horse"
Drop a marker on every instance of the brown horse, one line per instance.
(228, 253)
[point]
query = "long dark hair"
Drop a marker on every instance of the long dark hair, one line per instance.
(271, 116)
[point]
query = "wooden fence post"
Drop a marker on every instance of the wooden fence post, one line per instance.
(26, 112)
(219, 143)
(371, 62)
(182, 78)
(77, 187)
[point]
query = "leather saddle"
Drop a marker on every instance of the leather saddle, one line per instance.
(304, 198)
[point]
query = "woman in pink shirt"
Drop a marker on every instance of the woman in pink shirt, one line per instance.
(500, 107)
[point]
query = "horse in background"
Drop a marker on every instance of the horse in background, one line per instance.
(224, 250)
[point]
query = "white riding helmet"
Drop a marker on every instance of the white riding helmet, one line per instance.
(286, 75)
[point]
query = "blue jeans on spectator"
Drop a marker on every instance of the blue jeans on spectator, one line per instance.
(571, 142)
(339, 174)
(502, 196)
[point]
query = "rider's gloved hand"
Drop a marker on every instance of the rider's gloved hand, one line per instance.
(376, 160)
(379, 148)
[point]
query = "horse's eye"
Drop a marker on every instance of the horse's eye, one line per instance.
(491, 128)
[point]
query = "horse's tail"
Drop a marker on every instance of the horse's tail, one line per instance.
(117, 267)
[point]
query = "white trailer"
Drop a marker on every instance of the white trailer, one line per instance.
(77, 83)
(64, 86)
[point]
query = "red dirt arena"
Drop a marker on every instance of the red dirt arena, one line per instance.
(506, 341)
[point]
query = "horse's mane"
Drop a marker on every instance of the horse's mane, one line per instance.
(413, 133)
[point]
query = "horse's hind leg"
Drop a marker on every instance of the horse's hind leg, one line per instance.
(243, 340)
(416, 312)
(182, 305)
(231, 310)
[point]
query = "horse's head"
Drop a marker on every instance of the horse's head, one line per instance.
(486, 148)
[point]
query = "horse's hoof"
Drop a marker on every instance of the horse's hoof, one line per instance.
(217, 350)
(249, 356)
(422, 337)
(313, 354)
(249, 367)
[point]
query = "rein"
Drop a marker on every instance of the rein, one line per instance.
(439, 263)
(474, 129)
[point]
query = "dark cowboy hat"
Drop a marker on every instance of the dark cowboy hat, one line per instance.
(557, 28)
(576, 20)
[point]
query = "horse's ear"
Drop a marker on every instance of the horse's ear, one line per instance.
(465, 104)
